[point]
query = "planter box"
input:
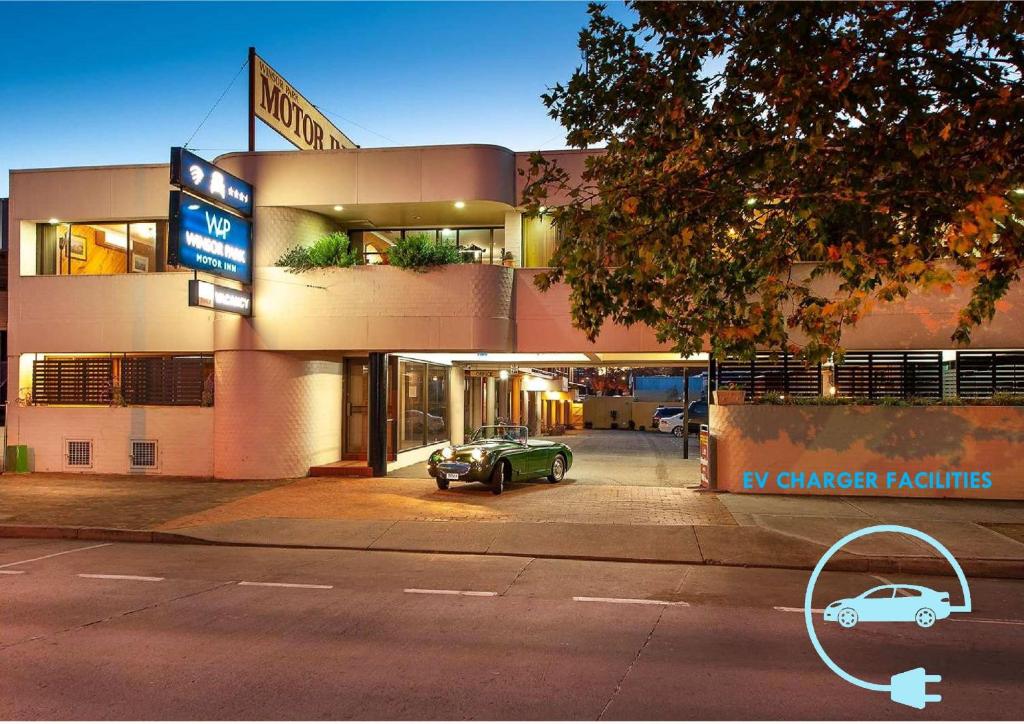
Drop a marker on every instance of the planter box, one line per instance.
(729, 397)
(915, 441)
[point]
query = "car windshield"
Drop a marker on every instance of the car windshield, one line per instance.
(501, 433)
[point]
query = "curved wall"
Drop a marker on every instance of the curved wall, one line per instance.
(275, 415)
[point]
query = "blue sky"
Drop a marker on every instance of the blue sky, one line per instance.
(102, 83)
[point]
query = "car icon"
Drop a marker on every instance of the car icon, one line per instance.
(891, 603)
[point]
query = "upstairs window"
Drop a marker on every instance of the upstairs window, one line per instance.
(77, 249)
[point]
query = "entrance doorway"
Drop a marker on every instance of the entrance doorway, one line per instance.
(357, 410)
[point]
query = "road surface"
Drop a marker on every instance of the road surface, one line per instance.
(138, 631)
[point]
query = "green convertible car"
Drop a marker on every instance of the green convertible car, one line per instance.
(498, 455)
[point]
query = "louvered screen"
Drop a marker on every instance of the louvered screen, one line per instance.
(890, 374)
(164, 380)
(983, 374)
(782, 374)
(81, 381)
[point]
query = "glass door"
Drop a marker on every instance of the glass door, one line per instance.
(357, 410)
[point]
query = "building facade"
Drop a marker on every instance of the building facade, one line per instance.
(369, 367)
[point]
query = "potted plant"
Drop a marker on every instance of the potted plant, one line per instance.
(729, 394)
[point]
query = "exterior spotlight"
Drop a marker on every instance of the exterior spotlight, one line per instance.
(460, 204)
(503, 375)
(339, 207)
(54, 221)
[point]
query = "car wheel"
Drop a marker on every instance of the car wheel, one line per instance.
(677, 430)
(925, 617)
(557, 469)
(847, 618)
(442, 484)
(498, 478)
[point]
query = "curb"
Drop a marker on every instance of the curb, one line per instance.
(852, 563)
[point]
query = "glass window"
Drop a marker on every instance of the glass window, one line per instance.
(423, 404)
(540, 238)
(437, 404)
(101, 248)
(412, 398)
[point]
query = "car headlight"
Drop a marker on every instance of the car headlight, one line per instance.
(478, 454)
(447, 452)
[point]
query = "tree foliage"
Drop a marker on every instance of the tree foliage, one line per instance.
(883, 140)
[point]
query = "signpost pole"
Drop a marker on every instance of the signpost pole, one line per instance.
(252, 99)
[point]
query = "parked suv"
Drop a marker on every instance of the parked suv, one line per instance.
(674, 423)
(663, 412)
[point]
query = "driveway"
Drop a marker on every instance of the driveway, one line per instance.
(619, 457)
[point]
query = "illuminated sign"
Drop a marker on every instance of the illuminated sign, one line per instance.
(275, 101)
(208, 239)
(222, 299)
(202, 178)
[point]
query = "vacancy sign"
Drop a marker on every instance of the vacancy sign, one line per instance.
(275, 101)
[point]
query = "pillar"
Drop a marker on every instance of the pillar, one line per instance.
(534, 412)
(457, 405)
(490, 402)
(475, 403)
(516, 398)
(503, 401)
(377, 456)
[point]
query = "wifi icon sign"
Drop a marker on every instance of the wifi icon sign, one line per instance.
(196, 173)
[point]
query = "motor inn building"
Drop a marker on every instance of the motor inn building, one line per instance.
(366, 369)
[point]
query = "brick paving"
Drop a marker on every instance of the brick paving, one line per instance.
(419, 499)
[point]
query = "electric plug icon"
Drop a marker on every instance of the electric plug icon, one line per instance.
(908, 688)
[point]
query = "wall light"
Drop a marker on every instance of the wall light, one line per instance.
(460, 204)
(339, 207)
(54, 221)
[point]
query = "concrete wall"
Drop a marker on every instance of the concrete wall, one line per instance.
(276, 414)
(453, 308)
(115, 313)
(778, 438)
(377, 175)
(184, 436)
(276, 229)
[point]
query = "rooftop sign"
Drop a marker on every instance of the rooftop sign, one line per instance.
(208, 239)
(202, 178)
(275, 101)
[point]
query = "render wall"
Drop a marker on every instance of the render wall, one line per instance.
(778, 438)
(183, 434)
(277, 414)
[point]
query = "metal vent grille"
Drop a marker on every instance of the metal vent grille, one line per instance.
(143, 454)
(79, 453)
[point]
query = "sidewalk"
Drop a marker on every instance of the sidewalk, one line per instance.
(594, 522)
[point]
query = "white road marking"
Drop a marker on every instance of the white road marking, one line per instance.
(791, 609)
(119, 577)
(54, 555)
(444, 592)
(642, 601)
(1004, 622)
(271, 584)
(11, 573)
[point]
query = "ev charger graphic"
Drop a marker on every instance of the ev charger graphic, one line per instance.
(908, 687)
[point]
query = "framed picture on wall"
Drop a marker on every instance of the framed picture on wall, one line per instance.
(78, 247)
(140, 263)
